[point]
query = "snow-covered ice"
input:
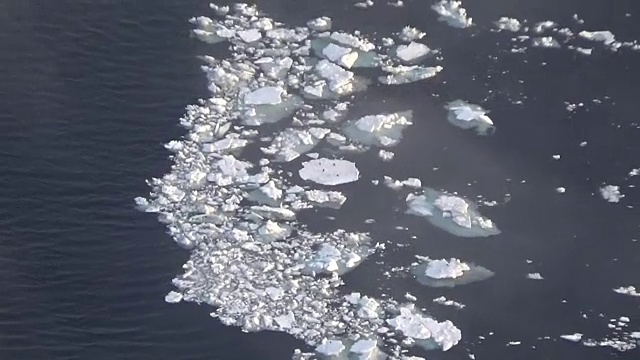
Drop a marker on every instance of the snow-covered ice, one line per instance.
(329, 172)
(382, 130)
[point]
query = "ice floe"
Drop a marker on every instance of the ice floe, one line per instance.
(448, 273)
(382, 130)
(424, 330)
(450, 213)
(627, 290)
(329, 172)
(469, 116)
(611, 193)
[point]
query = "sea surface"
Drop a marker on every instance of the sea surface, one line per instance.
(91, 90)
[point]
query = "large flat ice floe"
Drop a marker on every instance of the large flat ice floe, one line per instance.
(329, 172)
(451, 213)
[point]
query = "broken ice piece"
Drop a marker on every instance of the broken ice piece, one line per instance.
(611, 193)
(399, 75)
(173, 297)
(330, 199)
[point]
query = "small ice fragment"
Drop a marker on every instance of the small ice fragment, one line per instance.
(605, 36)
(320, 24)
(535, 276)
(419, 327)
(409, 34)
(329, 172)
(444, 301)
(443, 269)
(611, 193)
(173, 297)
(542, 26)
(634, 172)
(572, 337)
(364, 347)
(556, 157)
(508, 24)
(628, 290)
(546, 41)
(561, 190)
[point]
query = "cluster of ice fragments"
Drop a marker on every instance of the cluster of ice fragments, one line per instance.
(549, 34)
(250, 257)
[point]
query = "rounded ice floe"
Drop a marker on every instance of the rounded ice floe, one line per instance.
(469, 116)
(329, 172)
(380, 130)
(173, 297)
(425, 331)
(450, 213)
(448, 273)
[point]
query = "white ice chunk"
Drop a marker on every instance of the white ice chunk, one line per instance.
(340, 55)
(572, 337)
(412, 52)
(329, 172)
(409, 34)
(383, 130)
(605, 36)
(250, 35)
(508, 24)
(452, 13)
(628, 290)
(270, 95)
(340, 80)
(611, 193)
(173, 297)
(446, 269)
(320, 24)
(419, 327)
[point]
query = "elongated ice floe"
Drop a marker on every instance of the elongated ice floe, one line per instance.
(448, 273)
(452, 13)
(469, 116)
(450, 213)
(399, 75)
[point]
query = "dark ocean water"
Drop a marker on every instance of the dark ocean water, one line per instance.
(90, 90)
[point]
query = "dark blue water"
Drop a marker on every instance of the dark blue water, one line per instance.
(90, 90)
